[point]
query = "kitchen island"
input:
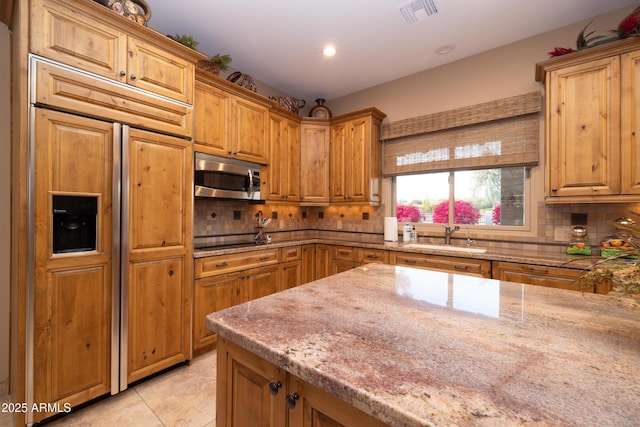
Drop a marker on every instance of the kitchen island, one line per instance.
(412, 347)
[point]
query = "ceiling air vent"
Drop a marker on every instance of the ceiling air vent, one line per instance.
(418, 10)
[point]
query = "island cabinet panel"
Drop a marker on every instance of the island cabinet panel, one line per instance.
(591, 123)
(468, 266)
(249, 390)
(253, 392)
(554, 277)
(317, 408)
(94, 39)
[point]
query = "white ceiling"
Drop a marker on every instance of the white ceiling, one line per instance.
(279, 42)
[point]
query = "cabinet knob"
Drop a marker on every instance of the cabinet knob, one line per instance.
(291, 400)
(554, 190)
(275, 387)
(132, 77)
(122, 74)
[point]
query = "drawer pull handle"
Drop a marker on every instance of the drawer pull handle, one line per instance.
(274, 388)
(264, 258)
(292, 253)
(343, 253)
(222, 264)
(461, 267)
(372, 256)
(291, 400)
(410, 261)
(539, 269)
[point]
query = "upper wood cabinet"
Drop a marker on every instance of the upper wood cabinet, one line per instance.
(210, 118)
(592, 99)
(314, 162)
(93, 38)
(356, 157)
(230, 121)
(283, 171)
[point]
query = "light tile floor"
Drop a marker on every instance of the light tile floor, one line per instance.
(182, 397)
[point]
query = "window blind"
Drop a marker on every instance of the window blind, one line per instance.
(502, 133)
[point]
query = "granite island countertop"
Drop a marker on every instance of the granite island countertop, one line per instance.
(418, 348)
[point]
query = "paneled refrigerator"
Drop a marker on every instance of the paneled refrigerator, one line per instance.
(110, 226)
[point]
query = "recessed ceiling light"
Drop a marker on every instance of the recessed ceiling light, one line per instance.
(443, 50)
(329, 51)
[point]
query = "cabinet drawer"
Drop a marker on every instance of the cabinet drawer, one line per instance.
(473, 267)
(345, 253)
(366, 255)
(291, 253)
(211, 266)
(554, 277)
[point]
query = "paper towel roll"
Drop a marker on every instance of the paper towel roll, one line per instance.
(390, 228)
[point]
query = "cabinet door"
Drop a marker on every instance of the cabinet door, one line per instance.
(72, 291)
(291, 146)
(317, 408)
(159, 71)
(314, 164)
(357, 164)
(583, 129)
(338, 151)
(275, 173)
(291, 274)
(210, 119)
(157, 212)
(339, 266)
(630, 130)
(562, 278)
(323, 261)
(72, 37)
(249, 124)
(210, 295)
(308, 263)
(244, 386)
(260, 282)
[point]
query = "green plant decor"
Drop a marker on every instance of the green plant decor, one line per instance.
(223, 60)
(187, 40)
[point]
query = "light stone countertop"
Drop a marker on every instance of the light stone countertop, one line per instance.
(418, 348)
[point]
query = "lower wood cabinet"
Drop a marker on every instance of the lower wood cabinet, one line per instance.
(308, 263)
(468, 266)
(554, 277)
(253, 392)
(323, 261)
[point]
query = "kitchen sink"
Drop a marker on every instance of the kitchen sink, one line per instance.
(467, 249)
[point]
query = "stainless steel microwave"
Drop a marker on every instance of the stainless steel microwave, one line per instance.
(224, 178)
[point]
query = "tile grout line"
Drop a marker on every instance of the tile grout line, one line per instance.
(148, 406)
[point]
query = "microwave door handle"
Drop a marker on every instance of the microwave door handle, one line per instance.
(250, 187)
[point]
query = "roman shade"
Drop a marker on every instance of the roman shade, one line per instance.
(502, 133)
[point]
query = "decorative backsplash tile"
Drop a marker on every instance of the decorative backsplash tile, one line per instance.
(227, 221)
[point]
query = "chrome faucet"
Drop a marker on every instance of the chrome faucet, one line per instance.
(448, 231)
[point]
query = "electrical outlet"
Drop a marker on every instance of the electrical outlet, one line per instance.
(339, 224)
(562, 234)
(281, 224)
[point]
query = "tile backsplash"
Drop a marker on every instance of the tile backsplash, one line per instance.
(219, 221)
